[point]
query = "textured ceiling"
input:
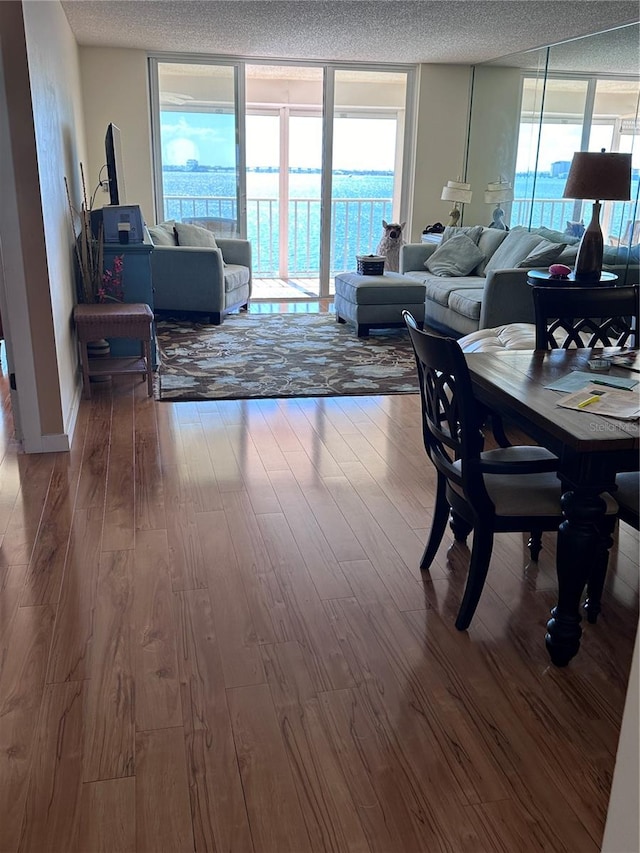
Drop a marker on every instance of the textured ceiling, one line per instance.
(447, 31)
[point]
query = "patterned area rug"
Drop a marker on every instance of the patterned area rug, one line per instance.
(281, 355)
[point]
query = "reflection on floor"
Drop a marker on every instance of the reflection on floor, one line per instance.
(290, 288)
(306, 306)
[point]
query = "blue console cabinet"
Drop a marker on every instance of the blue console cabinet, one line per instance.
(137, 286)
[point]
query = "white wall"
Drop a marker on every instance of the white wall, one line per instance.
(59, 133)
(622, 830)
(493, 137)
(40, 122)
(441, 138)
(115, 89)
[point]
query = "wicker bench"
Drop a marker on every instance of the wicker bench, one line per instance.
(115, 320)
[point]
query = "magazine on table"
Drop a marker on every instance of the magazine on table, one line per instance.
(608, 402)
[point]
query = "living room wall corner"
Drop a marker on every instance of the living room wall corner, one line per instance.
(441, 136)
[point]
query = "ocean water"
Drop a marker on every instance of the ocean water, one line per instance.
(304, 218)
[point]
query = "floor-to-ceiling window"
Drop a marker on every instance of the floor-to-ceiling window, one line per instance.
(304, 160)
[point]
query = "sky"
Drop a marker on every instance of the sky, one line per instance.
(362, 144)
(561, 141)
(359, 143)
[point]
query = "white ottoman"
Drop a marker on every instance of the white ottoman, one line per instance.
(377, 301)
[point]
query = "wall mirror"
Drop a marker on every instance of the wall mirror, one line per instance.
(531, 111)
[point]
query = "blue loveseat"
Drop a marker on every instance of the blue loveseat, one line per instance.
(211, 275)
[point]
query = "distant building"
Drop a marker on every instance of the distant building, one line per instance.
(560, 169)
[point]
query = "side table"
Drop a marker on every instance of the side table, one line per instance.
(543, 278)
(115, 320)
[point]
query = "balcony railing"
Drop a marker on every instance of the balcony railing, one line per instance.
(356, 226)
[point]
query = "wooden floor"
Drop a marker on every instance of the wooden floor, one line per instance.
(214, 637)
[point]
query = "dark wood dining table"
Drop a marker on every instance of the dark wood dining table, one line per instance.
(591, 450)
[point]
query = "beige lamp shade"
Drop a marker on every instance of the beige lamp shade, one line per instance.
(498, 192)
(456, 191)
(599, 175)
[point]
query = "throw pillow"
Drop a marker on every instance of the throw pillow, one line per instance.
(543, 255)
(458, 256)
(195, 235)
(161, 235)
(489, 241)
(473, 232)
(568, 256)
(548, 234)
(514, 248)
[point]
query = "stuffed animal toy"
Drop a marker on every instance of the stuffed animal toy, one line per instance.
(389, 245)
(574, 229)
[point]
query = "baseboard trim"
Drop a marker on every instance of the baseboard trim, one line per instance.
(57, 442)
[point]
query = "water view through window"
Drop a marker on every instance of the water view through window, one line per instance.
(210, 184)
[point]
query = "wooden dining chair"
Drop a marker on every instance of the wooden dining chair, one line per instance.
(506, 489)
(586, 316)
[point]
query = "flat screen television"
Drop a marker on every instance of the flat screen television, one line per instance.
(115, 168)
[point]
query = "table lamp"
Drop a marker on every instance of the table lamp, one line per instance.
(496, 194)
(596, 175)
(459, 193)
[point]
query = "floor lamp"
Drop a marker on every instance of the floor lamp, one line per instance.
(598, 176)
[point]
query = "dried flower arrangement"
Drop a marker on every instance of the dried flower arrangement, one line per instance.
(95, 284)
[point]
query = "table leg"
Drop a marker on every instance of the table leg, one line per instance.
(582, 546)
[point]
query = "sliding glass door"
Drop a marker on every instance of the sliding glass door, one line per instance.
(367, 160)
(304, 160)
(284, 137)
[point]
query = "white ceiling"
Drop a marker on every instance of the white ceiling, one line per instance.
(445, 31)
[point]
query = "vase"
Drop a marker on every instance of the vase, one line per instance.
(99, 349)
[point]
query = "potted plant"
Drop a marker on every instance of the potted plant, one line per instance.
(95, 284)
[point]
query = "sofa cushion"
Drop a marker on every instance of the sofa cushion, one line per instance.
(568, 255)
(163, 234)
(467, 302)
(195, 235)
(235, 276)
(489, 241)
(439, 289)
(514, 248)
(545, 253)
(455, 257)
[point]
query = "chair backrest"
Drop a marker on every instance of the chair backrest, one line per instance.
(586, 316)
(451, 426)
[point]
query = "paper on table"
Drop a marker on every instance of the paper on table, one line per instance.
(611, 403)
(577, 379)
(629, 360)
